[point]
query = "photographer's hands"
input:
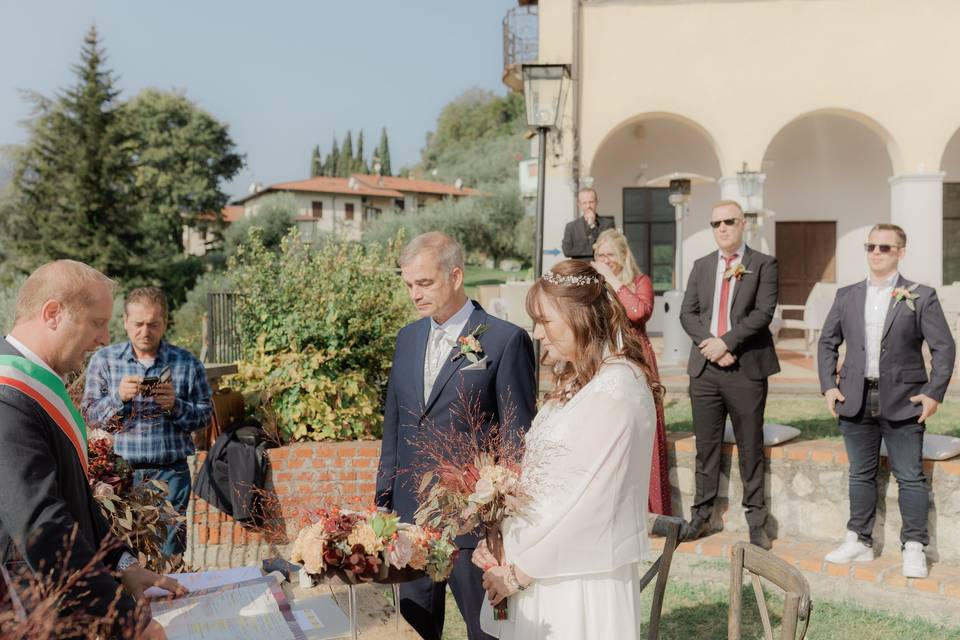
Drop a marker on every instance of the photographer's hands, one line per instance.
(130, 387)
(162, 393)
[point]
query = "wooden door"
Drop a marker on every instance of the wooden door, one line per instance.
(806, 252)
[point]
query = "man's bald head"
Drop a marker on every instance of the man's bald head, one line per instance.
(67, 281)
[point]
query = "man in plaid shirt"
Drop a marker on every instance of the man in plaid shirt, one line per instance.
(153, 395)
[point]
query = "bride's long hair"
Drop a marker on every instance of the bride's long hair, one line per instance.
(598, 321)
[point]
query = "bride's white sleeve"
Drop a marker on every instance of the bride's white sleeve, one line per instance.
(591, 514)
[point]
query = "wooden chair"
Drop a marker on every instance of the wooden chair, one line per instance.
(815, 312)
(669, 527)
(764, 564)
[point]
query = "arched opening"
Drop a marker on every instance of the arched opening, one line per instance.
(827, 183)
(637, 151)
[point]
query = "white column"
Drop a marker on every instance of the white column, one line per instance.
(916, 205)
(757, 233)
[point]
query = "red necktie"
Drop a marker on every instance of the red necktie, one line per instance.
(724, 296)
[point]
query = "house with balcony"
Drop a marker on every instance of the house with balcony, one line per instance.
(820, 118)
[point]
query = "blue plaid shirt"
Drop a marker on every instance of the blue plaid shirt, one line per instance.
(148, 434)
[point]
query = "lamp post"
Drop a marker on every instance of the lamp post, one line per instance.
(748, 184)
(544, 90)
(676, 343)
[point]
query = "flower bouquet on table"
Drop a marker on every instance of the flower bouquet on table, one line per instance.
(109, 474)
(359, 546)
(470, 482)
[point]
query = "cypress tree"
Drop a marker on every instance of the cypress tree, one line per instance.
(383, 152)
(359, 162)
(332, 161)
(316, 164)
(345, 166)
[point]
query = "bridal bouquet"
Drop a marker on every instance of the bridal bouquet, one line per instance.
(472, 479)
(109, 474)
(372, 547)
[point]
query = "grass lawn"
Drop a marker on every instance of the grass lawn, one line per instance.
(476, 276)
(807, 413)
(700, 611)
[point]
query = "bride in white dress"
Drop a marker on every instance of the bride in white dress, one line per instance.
(570, 568)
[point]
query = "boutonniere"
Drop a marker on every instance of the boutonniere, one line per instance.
(907, 295)
(469, 346)
(736, 272)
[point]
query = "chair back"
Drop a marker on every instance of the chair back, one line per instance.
(818, 304)
(514, 294)
(764, 564)
(669, 527)
(486, 293)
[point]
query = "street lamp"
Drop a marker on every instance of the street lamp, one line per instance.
(544, 90)
(676, 343)
(749, 184)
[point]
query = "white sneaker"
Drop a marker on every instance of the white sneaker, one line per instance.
(852, 550)
(914, 561)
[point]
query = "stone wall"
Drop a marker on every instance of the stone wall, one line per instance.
(806, 489)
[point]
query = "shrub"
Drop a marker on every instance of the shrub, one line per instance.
(317, 327)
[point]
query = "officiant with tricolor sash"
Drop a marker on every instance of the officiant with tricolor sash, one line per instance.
(51, 528)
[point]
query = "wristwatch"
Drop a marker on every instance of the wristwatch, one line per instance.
(127, 561)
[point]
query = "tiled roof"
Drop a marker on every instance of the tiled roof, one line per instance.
(232, 213)
(365, 185)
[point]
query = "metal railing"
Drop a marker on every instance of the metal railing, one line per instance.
(222, 340)
(521, 42)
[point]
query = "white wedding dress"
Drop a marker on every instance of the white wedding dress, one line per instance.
(585, 531)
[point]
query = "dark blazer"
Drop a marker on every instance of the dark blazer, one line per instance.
(902, 370)
(754, 302)
(505, 389)
(577, 241)
(44, 494)
(233, 475)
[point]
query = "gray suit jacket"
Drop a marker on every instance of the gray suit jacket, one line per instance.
(577, 240)
(754, 302)
(902, 370)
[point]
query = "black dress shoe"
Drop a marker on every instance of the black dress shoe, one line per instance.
(759, 537)
(698, 528)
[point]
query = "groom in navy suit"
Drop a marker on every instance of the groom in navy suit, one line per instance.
(427, 388)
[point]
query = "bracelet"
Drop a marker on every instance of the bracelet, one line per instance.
(514, 581)
(126, 561)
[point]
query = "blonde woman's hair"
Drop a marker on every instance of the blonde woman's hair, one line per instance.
(624, 256)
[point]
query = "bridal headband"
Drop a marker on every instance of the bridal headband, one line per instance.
(569, 281)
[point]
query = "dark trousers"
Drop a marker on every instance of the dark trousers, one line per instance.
(861, 437)
(177, 477)
(423, 602)
(714, 394)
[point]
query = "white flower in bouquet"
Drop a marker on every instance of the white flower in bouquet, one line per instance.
(308, 548)
(363, 534)
(104, 490)
(400, 551)
(483, 491)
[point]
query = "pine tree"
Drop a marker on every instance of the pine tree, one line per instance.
(332, 162)
(75, 182)
(316, 165)
(345, 166)
(383, 153)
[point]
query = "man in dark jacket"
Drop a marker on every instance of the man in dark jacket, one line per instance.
(580, 235)
(882, 392)
(48, 516)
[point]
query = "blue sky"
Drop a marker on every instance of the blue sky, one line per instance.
(283, 75)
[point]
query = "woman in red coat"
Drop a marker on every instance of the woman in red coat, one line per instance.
(615, 262)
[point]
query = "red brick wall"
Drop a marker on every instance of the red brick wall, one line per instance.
(302, 477)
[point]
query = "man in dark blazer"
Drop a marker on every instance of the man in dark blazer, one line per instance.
(882, 391)
(727, 308)
(580, 235)
(427, 389)
(49, 520)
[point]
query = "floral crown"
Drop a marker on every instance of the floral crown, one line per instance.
(569, 281)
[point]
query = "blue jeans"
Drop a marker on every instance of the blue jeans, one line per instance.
(177, 477)
(861, 437)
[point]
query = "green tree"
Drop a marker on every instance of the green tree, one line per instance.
(383, 153)
(332, 163)
(273, 218)
(359, 162)
(316, 163)
(475, 115)
(345, 166)
(75, 181)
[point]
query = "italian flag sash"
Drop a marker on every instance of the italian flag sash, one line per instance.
(48, 391)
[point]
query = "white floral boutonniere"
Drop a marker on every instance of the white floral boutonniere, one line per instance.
(907, 295)
(736, 272)
(469, 346)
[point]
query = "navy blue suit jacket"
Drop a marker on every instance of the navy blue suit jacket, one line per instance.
(507, 387)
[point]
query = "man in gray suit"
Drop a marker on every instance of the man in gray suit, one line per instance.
(882, 391)
(580, 235)
(727, 308)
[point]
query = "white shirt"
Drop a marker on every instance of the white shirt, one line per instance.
(29, 354)
(875, 315)
(443, 338)
(721, 269)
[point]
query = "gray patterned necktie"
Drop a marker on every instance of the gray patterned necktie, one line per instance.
(433, 361)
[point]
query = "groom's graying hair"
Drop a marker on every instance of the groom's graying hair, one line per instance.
(444, 249)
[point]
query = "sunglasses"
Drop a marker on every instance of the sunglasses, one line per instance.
(884, 248)
(729, 222)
